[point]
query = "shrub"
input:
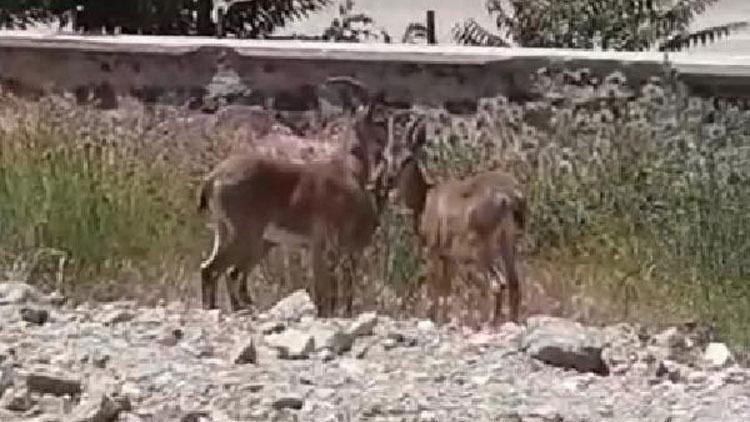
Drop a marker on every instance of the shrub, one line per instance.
(636, 183)
(78, 184)
(637, 199)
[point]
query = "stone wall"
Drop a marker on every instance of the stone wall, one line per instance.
(180, 69)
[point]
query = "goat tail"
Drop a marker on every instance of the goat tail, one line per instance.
(205, 190)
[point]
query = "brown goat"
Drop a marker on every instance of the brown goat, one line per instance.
(319, 205)
(258, 202)
(476, 219)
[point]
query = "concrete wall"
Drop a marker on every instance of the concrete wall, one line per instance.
(176, 69)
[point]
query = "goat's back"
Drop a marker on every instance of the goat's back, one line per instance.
(253, 191)
(459, 214)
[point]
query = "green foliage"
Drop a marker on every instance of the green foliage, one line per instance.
(146, 16)
(402, 259)
(159, 17)
(21, 13)
(470, 32)
(75, 190)
(354, 27)
(646, 186)
(641, 192)
(633, 25)
(259, 18)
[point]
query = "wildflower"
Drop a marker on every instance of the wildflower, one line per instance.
(603, 116)
(615, 78)
(565, 167)
(516, 113)
(714, 131)
(695, 103)
(653, 93)
(528, 131)
(582, 119)
(486, 105)
(637, 114)
(668, 124)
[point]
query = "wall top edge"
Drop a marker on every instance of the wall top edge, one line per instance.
(718, 63)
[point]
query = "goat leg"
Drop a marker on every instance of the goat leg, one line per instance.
(210, 268)
(332, 267)
(499, 292)
(237, 288)
(208, 289)
(509, 260)
(243, 299)
(348, 285)
(244, 296)
(321, 276)
(442, 290)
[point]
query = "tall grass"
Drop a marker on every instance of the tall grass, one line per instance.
(637, 199)
(97, 203)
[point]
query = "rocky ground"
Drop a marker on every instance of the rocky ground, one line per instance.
(122, 362)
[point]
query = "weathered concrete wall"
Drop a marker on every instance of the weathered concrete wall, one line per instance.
(176, 69)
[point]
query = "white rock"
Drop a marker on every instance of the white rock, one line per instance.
(15, 293)
(17, 400)
(331, 338)
(565, 344)
(7, 376)
(428, 416)
(116, 316)
(510, 332)
(363, 325)
(426, 325)
(214, 315)
(132, 391)
(292, 344)
(696, 377)
(51, 404)
(481, 339)
(717, 354)
(56, 299)
(294, 307)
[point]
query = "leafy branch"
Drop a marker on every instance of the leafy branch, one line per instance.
(629, 25)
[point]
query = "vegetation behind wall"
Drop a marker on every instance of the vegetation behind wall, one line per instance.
(638, 200)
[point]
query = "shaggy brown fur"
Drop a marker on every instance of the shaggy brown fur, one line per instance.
(259, 201)
(475, 220)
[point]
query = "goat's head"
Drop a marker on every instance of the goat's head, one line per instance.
(386, 140)
(401, 169)
(370, 126)
(411, 186)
